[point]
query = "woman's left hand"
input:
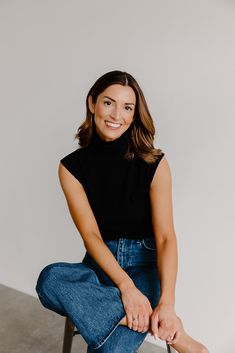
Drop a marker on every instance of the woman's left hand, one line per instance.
(165, 323)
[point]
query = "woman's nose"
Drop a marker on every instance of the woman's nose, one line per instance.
(116, 114)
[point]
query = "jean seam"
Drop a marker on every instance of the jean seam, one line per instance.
(146, 246)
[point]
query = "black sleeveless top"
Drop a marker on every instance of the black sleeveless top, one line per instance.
(117, 189)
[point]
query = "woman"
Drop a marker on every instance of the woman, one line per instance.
(118, 191)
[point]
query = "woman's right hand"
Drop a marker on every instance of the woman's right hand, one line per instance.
(136, 305)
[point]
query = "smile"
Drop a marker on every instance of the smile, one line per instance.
(112, 125)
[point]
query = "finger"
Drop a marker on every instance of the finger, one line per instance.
(176, 338)
(146, 320)
(164, 333)
(146, 323)
(135, 322)
(170, 337)
(130, 321)
(154, 325)
(141, 322)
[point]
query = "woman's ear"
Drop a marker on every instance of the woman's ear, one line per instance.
(91, 104)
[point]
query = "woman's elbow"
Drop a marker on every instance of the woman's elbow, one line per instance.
(166, 237)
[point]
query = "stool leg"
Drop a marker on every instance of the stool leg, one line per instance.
(68, 336)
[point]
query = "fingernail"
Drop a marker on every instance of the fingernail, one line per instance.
(155, 336)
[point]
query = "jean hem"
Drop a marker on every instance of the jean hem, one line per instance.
(109, 334)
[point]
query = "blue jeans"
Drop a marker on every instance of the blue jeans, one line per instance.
(84, 293)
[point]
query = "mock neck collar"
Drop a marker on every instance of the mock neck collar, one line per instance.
(117, 146)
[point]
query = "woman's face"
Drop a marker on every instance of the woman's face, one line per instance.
(113, 111)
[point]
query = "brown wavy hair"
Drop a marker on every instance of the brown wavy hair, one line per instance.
(141, 131)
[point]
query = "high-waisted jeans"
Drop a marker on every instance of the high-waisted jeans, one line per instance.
(84, 293)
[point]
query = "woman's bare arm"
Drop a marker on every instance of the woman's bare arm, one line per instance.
(162, 219)
(86, 224)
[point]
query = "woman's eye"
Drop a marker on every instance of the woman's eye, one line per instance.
(109, 103)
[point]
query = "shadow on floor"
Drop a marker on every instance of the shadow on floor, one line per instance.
(27, 327)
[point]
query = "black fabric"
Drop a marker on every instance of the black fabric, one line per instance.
(117, 189)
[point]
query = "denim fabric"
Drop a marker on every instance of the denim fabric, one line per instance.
(84, 293)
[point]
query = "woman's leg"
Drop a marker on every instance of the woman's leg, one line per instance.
(96, 309)
(74, 290)
(186, 344)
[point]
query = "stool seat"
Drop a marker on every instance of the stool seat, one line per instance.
(70, 331)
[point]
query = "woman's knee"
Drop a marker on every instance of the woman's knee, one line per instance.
(48, 287)
(48, 276)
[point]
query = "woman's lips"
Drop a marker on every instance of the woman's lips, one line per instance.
(113, 126)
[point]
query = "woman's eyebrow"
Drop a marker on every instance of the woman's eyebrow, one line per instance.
(115, 101)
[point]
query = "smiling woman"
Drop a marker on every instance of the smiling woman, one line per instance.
(118, 190)
(113, 114)
(116, 98)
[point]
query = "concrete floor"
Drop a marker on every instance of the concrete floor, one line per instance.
(27, 327)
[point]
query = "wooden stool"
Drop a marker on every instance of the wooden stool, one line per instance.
(69, 332)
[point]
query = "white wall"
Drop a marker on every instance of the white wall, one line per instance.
(182, 54)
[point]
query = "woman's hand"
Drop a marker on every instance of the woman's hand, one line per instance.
(137, 306)
(165, 323)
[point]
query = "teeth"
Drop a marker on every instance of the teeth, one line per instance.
(112, 124)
